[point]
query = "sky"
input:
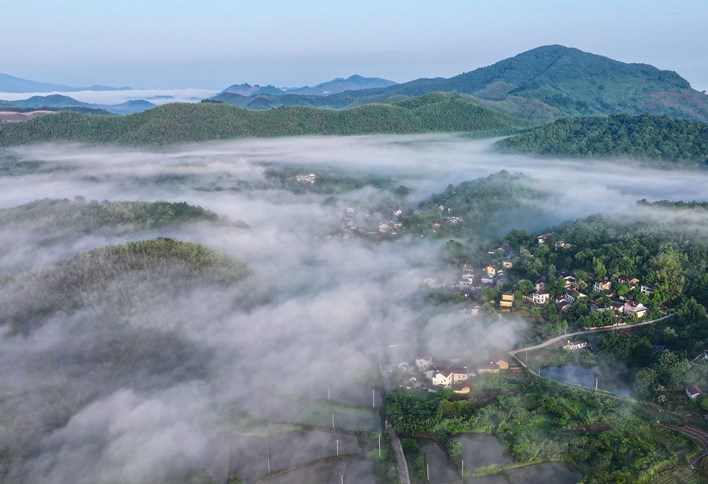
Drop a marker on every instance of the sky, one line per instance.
(290, 43)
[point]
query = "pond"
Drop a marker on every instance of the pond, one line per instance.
(608, 379)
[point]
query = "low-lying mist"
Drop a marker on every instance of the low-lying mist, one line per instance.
(208, 381)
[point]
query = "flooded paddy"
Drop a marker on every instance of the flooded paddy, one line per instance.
(439, 466)
(352, 471)
(480, 450)
(250, 456)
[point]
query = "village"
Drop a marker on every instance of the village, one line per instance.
(622, 297)
(431, 374)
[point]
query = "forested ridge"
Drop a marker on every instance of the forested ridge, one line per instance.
(480, 209)
(121, 278)
(176, 123)
(646, 137)
(115, 217)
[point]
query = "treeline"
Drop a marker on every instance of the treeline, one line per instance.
(118, 279)
(671, 204)
(175, 123)
(644, 137)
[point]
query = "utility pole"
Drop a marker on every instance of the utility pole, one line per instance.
(337, 441)
(269, 452)
(462, 472)
(373, 398)
(379, 445)
(332, 419)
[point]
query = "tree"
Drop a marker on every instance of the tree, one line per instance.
(599, 268)
(672, 369)
(691, 311)
(667, 275)
(524, 286)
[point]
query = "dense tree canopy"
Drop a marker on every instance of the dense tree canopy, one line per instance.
(176, 123)
(645, 137)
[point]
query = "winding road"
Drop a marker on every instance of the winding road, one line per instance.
(602, 329)
(700, 436)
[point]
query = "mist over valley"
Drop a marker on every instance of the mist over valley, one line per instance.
(442, 243)
(149, 371)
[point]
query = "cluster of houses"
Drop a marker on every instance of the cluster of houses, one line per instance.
(310, 178)
(433, 375)
(449, 219)
(474, 279)
(622, 306)
(558, 244)
(382, 227)
(471, 279)
(541, 296)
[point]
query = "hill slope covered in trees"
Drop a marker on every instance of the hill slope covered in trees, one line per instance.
(122, 279)
(481, 209)
(74, 218)
(176, 123)
(644, 137)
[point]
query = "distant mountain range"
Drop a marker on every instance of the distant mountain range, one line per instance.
(542, 84)
(10, 83)
(60, 102)
(335, 86)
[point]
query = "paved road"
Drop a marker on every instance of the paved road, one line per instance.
(698, 435)
(693, 433)
(403, 476)
(557, 339)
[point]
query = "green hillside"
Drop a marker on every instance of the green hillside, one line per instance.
(643, 137)
(481, 209)
(121, 279)
(176, 123)
(543, 84)
(55, 219)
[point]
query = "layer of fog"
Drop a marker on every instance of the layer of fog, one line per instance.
(334, 307)
(155, 96)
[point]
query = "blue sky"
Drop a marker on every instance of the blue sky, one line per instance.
(214, 43)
